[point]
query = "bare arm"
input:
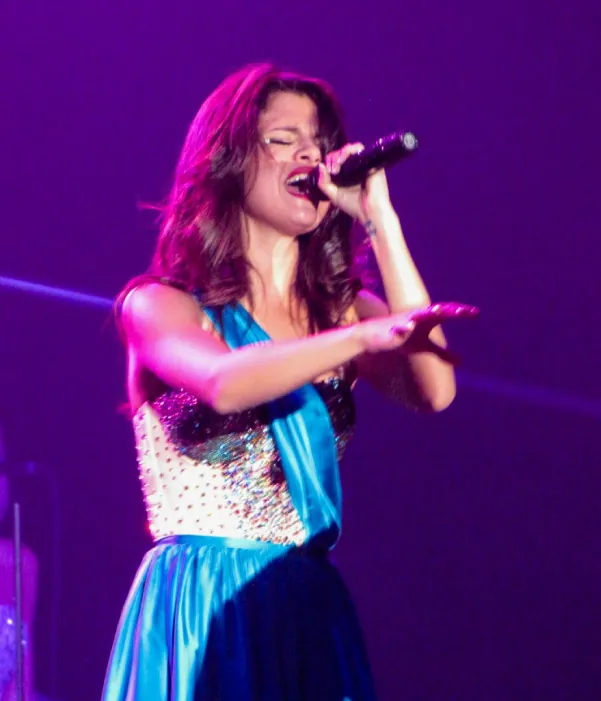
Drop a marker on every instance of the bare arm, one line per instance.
(427, 381)
(422, 370)
(166, 336)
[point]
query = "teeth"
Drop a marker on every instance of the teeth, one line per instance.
(298, 178)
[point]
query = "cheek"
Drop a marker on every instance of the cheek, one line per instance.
(260, 195)
(266, 181)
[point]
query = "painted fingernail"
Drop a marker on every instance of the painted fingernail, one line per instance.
(401, 330)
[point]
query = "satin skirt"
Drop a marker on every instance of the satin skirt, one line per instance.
(208, 619)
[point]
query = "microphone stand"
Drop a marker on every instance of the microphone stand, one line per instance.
(44, 472)
(18, 601)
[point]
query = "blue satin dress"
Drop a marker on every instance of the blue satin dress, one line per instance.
(237, 600)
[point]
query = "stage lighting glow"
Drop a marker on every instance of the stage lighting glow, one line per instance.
(41, 290)
(537, 396)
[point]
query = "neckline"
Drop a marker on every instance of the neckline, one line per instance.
(148, 404)
(250, 319)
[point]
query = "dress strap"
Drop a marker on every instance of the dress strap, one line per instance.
(303, 433)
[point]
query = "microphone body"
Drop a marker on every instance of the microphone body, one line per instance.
(383, 153)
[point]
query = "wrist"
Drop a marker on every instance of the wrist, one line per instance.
(358, 338)
(380, 220)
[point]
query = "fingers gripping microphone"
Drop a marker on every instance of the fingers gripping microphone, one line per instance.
(383, 153)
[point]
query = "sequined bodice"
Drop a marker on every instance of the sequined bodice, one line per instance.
(205, 473)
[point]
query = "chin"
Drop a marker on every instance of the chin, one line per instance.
(305, 223)
(303, 230)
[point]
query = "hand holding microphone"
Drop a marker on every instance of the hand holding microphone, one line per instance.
(354, 176)
(384, 153)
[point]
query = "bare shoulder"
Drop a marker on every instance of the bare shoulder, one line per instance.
(165, 330)
(368, 305)
(170, 342)
(153, 307)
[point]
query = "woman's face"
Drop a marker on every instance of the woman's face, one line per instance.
(288, 129)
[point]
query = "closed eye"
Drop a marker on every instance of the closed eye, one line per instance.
(280, 142)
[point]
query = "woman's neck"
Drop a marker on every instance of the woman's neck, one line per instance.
(274, 261)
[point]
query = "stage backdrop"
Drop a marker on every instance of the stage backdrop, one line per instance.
(471, 539)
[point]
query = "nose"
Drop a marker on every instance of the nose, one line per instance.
(309, 152)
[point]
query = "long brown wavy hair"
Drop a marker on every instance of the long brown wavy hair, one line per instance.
(200, 247)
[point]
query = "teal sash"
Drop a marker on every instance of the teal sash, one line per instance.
(303, 433)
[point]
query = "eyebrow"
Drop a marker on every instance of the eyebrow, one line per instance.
(290, 130)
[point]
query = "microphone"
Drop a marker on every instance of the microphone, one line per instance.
(383, 153)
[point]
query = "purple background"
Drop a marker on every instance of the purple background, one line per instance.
(471, 538)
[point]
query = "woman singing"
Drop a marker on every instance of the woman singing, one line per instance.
(244, 341)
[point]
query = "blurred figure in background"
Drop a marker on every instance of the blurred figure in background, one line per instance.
(29, 580)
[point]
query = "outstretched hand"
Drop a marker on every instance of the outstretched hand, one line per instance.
(410, 331)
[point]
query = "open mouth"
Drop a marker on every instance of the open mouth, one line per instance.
(298, 184)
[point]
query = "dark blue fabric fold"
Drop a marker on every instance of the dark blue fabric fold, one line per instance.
(206, 621)
(302, 431)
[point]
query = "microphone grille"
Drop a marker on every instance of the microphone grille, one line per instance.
(409, 141)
